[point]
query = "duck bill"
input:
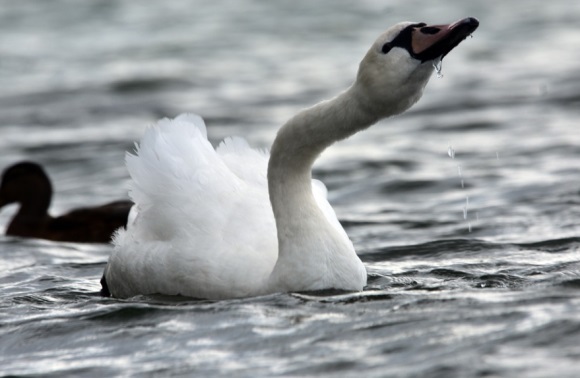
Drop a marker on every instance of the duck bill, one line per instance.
(436, 41)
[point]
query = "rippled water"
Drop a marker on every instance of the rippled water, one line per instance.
(81, 81)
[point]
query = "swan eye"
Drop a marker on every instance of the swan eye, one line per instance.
(387, 47)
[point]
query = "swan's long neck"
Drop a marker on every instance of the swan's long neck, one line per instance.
(305, 237)
(308, 133)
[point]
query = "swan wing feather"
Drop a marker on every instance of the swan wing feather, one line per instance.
(177, 242)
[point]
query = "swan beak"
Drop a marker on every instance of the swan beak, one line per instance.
(434, 41)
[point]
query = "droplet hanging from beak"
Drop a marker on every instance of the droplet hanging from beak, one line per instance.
(438, 65)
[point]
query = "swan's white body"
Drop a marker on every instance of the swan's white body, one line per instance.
(234, 222)
(204, 224)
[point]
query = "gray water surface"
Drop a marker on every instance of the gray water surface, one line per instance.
(82, 80)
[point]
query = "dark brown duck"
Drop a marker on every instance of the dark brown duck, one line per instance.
(27, 184)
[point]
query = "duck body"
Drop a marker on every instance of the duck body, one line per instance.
(27, 184)
(234, 221)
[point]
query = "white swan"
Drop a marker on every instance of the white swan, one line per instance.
(232, 222)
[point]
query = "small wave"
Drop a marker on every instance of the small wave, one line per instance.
(148, 84)
(433, 248)
(553, 245)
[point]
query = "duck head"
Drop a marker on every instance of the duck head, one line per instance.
(25, 182)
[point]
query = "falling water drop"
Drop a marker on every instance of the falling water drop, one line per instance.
(459, 174)
(451, 152)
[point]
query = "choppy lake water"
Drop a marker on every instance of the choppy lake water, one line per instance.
(474, 261)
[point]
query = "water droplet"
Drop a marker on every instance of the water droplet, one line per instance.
(438, 65)
(464, 212)
(462, 183)
(451, 152)
(459, 170)
(469, 226)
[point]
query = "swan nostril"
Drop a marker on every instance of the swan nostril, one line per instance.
(430, 30)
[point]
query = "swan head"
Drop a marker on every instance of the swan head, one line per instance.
(395, 70)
